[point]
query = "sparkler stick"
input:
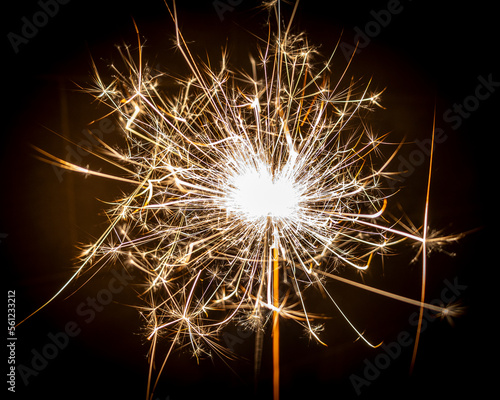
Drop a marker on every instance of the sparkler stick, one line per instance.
(276, 325)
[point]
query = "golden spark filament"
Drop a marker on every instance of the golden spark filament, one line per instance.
(385, 293)
(424, 249)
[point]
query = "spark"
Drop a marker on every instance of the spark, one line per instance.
(238, 183)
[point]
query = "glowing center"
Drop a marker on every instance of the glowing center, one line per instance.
(256, 194)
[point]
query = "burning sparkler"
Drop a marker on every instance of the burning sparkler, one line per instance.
(238, 183)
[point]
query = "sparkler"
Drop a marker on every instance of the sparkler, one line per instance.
(238, 183)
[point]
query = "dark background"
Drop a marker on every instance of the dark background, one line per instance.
(429, 55)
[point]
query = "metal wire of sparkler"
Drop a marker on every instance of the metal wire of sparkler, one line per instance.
(237, 183)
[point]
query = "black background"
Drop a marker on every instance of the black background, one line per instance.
(429, 55)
